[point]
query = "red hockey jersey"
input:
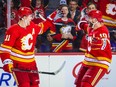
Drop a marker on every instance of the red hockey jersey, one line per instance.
(99, 50)
(108, 9)
(20, 42)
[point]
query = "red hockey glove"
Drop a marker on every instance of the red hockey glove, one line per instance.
(8, 65)
(52, 15)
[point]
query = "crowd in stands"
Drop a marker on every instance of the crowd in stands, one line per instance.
(69, 37)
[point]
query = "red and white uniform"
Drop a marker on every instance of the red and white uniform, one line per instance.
(83, 45)
(17, 50)
(38, 11)
(108, 9)
(99, 50)
(97, 58)
(19, 43)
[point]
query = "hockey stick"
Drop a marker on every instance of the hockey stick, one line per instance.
(41, 72)
(61, 24)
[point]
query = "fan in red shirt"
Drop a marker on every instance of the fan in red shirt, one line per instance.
(65, 33)
(38, 9)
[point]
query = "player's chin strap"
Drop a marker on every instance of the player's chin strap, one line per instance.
(41, 72)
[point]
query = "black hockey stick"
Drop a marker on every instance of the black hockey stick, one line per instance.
(41, 72)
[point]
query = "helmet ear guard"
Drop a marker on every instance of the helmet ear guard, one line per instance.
(24, 11)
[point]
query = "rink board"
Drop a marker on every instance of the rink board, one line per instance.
(66, 77)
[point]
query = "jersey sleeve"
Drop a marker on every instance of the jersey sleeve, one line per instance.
(45, 25)
(10, 37)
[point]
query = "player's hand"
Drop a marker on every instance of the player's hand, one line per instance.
(70, 36)
(8, 65)
(65, 36)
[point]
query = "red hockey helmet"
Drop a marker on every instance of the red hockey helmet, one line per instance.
(96, 14)
(24, 11)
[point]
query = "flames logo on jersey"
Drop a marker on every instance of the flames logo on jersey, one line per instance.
(25, 42)
(111, 9)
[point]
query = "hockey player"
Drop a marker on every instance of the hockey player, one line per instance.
(17, 50)
(98, 56)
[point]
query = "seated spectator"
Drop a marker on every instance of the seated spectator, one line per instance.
(38, 9)
(43, 43)
(113, 40)
(84, 25)
(65, 33)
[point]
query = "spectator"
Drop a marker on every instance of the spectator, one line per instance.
(14, 12)
(43, 43)
(74, 13)
(38, 9)
(65, 33)
(83, 20)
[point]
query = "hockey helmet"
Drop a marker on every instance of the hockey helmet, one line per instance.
(96, 14)
(24, 11)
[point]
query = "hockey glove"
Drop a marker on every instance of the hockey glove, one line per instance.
(8, 65)
(52, 15)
